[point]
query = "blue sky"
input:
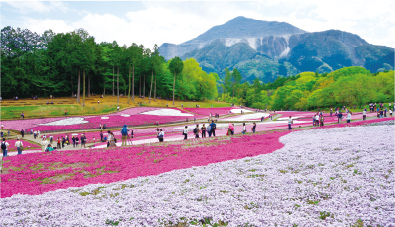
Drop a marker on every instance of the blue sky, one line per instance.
(157, 22)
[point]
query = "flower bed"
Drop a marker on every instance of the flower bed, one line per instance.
(26, 145)
(319, 178)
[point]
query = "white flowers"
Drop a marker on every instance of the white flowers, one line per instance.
(168, 112)
(323, 177)
(239, 111)
(247, 117)
(67, 121)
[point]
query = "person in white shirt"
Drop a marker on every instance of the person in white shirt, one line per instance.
(19, 146)
(349, 117)
(290, 122)
(185, 132)
(44, 144)
(390, 112)
(364, 114)
(4, 147)
(317, 120)
(161, 135)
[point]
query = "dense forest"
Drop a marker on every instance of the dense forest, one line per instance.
(309, 90)
(74, 64)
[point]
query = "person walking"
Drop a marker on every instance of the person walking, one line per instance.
(253, 127)
(209, 130)
(161, 135)
(381, 113)
(4, 147)
(185, 132)
(19, 146)
(44, 144)
(74, 140)
(290, 122)
(23, 133)
(101, 136)
(58, 144)
(322, 121)
(348, 117)
(8, 133)
(385, 111)
(50, 139)
(35, 134)
(204, 131)
(196, 131)
(213, 127)
(83, 140)
(364, 114)
(22, 115)
(331, 111)
(124, 132)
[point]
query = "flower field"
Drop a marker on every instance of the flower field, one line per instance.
(323, 177)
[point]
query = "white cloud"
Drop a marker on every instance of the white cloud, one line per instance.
(37, 6)
(39, 26)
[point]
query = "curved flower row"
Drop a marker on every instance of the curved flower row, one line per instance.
(331, 177)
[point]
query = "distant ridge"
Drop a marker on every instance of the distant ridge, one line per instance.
(267, 49)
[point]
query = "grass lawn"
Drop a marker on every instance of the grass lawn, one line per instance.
(11, 109)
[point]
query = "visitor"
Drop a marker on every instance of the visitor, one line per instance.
(196, 131)
(65, 112)
(124, 132)
(385, 111)
(101, 136)
(67, 140)
(31, 131)
(314, 120)
(19, 146)
(317, 120)
(244, 128)
(111, 139)
(50, 139)
(77, 141)
(132, 134)
(185, 132)
(98, 101)
(157, 134)
(253, 127)
(203, 131)
(213, 127)
(331, 112)
(229, 131)
(339, 116)
(4, 147)
(83, 140)
(94, 140)
(322, 121)
(117, 108)
(44, 144)
(8, 133)
(364, 114)
(161, 135)
(63, 141)
(35, 134)
(2, 127)
(390, 113)
(348, 117)
(2, 134)
(290, 122)
(23, 133)
(49, 148)
(22, 115)
(74, 141)
(381, 113)
(101, 127)
(209, 130)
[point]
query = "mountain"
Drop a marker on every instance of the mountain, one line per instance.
(265, 50)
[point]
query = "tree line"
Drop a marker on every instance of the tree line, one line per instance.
(73, 64)
(347, 86)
